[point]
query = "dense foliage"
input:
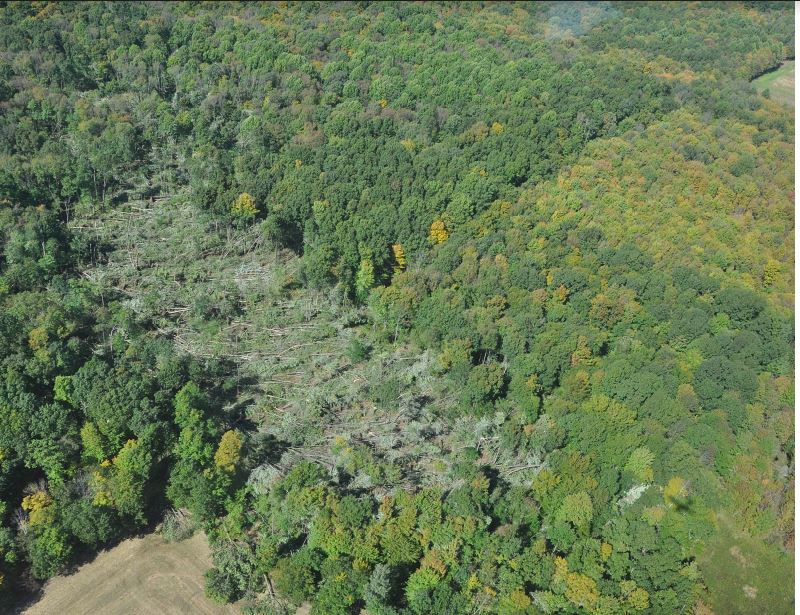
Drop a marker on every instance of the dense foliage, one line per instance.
(413, 308)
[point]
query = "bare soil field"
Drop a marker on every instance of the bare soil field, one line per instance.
(139, 576)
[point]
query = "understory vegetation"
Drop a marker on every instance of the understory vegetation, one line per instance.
(412, 308)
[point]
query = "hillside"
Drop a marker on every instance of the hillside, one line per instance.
(411, 308)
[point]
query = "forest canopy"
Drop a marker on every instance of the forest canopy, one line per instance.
(412, 308)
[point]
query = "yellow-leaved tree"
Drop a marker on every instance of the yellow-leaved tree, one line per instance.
(438, 232)
(229, 451)
(39, 507)
(399, 258)
(244, 206)
(675, 492)
(771, 272)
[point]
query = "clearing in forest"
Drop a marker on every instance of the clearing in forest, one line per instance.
(744, 576)
(779, 82)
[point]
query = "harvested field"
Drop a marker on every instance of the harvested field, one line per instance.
(141, 575)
